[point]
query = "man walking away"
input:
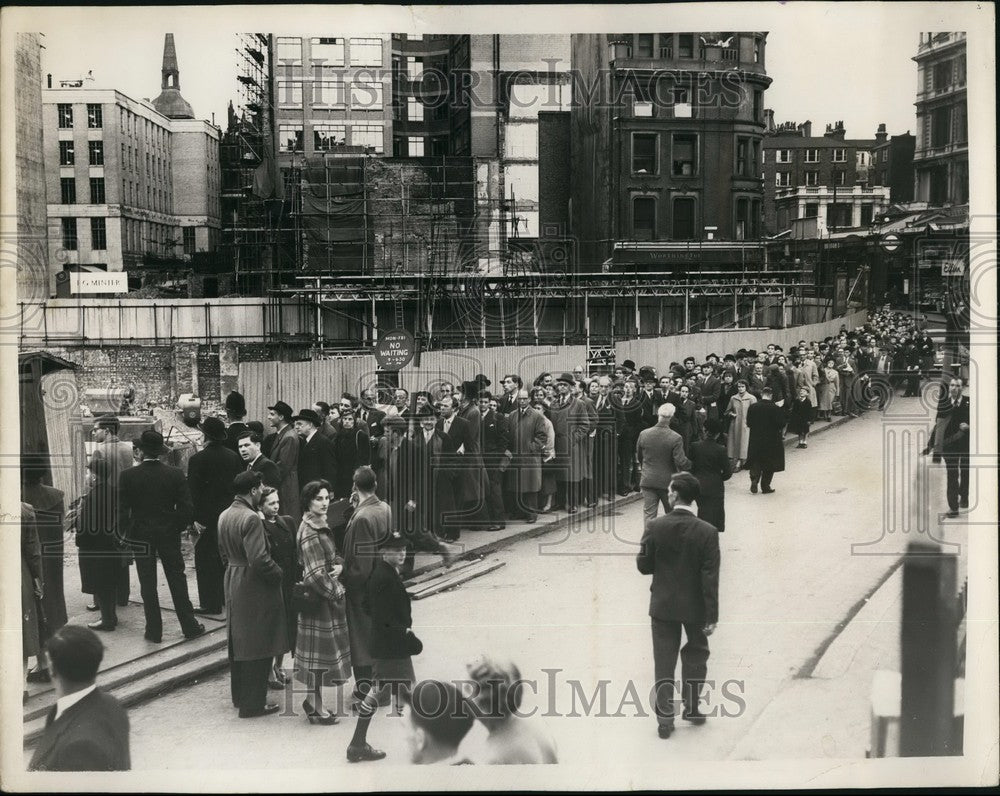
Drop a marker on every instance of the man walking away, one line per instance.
(154, 507)
(766, 450)
(660, 451)
(256, 626)
(681, 552)
(87, 729)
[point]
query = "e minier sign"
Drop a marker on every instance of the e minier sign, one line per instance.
(90, 282)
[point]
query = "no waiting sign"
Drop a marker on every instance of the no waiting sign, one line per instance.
(394, 349)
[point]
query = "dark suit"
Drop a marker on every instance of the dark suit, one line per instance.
(681, 552)
(628, 425)
(371, 419)
(605, 444)
(507, 403)
(493, 442)
(351, 449)
(463, 470)
(154, 507)
(210, 477)
(953, 445)
(648, 404)
(711, 466)
(766, 449)
(389, 608)
(90, 735)
(268, 472)
(317, 461)
(422, 480)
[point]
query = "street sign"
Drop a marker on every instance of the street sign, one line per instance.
(394, 349)
(890, 242)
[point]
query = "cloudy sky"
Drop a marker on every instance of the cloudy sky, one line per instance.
(829, 62)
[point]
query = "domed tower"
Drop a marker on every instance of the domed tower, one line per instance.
(170, 102)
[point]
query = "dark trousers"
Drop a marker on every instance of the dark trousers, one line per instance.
(493, 503)
(912, 384)
(763, 477)
(957, 472)
(248, 682)
(568, 493)
(209, 570)
(694, 664)
(167, 547)
(124, 585)
(604, 463)
(106, 597)
(521, 504)
(626, 461)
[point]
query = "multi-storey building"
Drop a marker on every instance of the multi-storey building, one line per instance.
(825, 177)
(667, 135)
(892, 164)
(941, 159)
(127, 185)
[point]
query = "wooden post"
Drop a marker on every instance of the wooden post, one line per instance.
(928, 652)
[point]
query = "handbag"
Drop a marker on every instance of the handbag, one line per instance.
(413, 645)
(304, 599)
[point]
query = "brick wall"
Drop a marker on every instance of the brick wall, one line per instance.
(149, 370)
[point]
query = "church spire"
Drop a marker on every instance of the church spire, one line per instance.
(170, 69)
(170, 102)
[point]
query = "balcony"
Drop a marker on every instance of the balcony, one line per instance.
(932, 152)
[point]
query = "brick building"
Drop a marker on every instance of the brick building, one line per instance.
(667, 136)
(941, 159)
(827, 177)
(128, 187)
(892, 164)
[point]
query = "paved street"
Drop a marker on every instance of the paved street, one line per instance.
(574, 602)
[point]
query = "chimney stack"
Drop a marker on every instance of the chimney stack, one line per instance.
(806, 129)
(881, 134)
(768, 121)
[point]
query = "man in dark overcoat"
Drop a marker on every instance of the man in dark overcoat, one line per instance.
(493, 442)
(154, 508)
(681, 552)
(256, 621)
(461, 429)
(711, 465)
(210, 478)
(605, 441)
(250, 452)
(317, 460)
(766, 452)
(527, 438)
(571, 422)
(284, 452)
(950, 441)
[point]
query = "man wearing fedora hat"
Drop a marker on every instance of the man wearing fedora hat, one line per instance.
(210, 478)
(284, 452)
(571, 422)
(317, 461)
(236, 415)
(154, 508)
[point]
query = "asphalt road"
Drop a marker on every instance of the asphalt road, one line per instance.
(571, 610)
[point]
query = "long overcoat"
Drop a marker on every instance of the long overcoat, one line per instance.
(285, 453)
(739, 435)
(571, 422)
(369, 525)
(256, 608)
(766, 450)
(527, 439)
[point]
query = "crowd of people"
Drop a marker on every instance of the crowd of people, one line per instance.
(281, 507)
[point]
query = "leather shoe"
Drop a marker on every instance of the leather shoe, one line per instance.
(753, 488)
(207, 611)
(99, 625)
(531, 518)
(268, 710)
(150, 637)
(694, 716)
(198, 631)
(665, 730)
(767, 491)
(93, 607)
(363, 753)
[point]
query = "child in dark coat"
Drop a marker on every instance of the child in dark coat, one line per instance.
(799, 417)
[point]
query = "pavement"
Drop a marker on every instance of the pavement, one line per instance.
(137, 671)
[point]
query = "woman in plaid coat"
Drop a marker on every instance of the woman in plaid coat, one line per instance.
(322, 647)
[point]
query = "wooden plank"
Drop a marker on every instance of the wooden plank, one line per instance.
(463, 577)
(438, 573)
(449, 577)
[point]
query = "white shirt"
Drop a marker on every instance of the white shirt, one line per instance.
(65, 703)
(428, 435)
(447, 423)
(683, 507)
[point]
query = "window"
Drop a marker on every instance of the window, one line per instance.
(756, 50)
(188, 237)
(644, 218)
(742, 156)
(415, 146)
(755, 219)
(66, 157)
(867, 214)
(644, 153)
(65, 116)
(97, 191)
(644, 45)
(783, 156)
(328, 136)
(666, 45)
(862, 158)
(839, 177)
(368, 135)
(812, 178)
(942, 75)
(366, 52)
(95, 116)
(754, 158)
(288, 51)
(940, 127)
(327, 52)
(67, 191)
(758, 106)
(742, 218)
(289, 137)
(840, 156)
(69, 241)
(812, 209)
(289, 94)
(414, 109)
(960, 70)
(328, 94)
(415, 36)
(838, 215)
(98, 234)
(812, 156)
(685, 162)
(685, 45)
(414, 67)
(366, 95)
(683, 219)
(961, 123)
(782, 179)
